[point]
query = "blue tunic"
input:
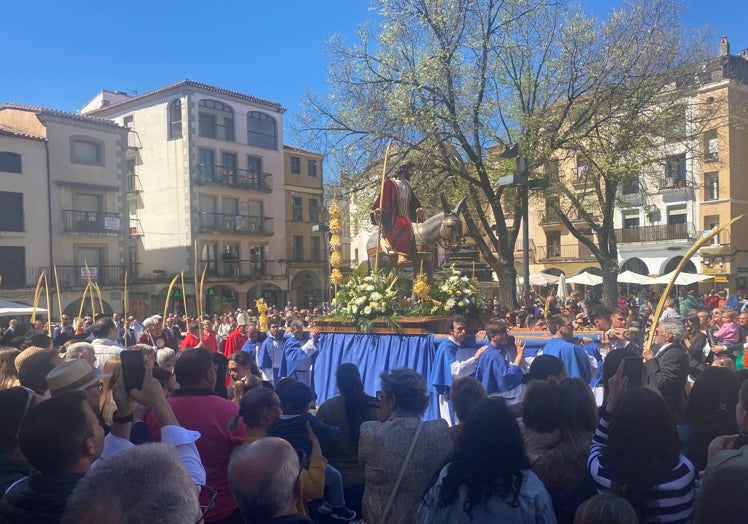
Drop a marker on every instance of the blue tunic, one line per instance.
(494, 371)
(575, 358)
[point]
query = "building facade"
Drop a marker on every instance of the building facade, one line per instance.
(205, 171)
(64, 206)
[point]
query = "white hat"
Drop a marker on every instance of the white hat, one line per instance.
(149, 322)
(75, 375)
(242, 319)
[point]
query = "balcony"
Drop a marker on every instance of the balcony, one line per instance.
(133, 184)
(70, 277)
(209, 129)
(551, 218)
(234, 224)
(562, 253)
(656, 233)
(91, 223)
(305, 256)
(12, 222)
(211, 175)
(136, 229)
(244, 269)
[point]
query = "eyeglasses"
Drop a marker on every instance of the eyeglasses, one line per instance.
(381, 395)
(204, 492)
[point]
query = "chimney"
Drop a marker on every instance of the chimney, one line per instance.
(724, 47)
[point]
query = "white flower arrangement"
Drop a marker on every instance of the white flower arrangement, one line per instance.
(362, 299)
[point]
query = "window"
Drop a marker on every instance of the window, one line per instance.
(175, 119)
(311, 167)
(295, 165)
(206, 159)
(551, 210)
(676, 123)
(257, 259)
(216, 120)
(630, 219)
(127, 121)
(11, 219)
(710, 222)
(313, 210)
(298, 248)
(261, 130)
(87, 151)
(316, 249)
(10, 162)
(630, 186)
(296, 208)
(677, 214)
(228, 168)
(711, 145)
(208, 255)
(552, 169)
(711, 189)
(582, 168)
(675, 172)
(553, 243)
(13, 262)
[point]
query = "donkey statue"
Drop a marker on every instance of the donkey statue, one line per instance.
(443, 229)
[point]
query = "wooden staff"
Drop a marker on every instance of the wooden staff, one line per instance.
(91, 293)
(197, 297)
(703, 240)
(381, 190)
(202, 282)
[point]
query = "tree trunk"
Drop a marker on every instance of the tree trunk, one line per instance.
(610, 282)
(507, 285)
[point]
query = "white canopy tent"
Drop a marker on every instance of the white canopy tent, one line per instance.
(684, 279)
(586, 279)
(8, 308)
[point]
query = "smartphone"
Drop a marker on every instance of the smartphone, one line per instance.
(632, 368)
(133, 369)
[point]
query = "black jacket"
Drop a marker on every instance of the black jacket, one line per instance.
(38, 499)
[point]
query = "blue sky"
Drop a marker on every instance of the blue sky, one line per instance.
(59, 54)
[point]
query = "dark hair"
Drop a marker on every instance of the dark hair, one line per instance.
(495, 327)
(612, 361)
(695, 324)
(408, 387)
(598, 311)
(192, 365)
(465, 393)
(577, 414)
(8, 371)
(40, 340)
(295, 398)
(540, 406)
(544, 366)
(710, 411)
(14, 403)
(555, 322)
(643, 444)
(454, 319)
(253, 404)
(34, 370)
(52, 432)
(489, 458)
(245, 360)
(102, 327)
(355, 398)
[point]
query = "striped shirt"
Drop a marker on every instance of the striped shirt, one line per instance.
(673, 496)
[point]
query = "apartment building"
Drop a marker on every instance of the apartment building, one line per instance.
(696, 187)
(205, 170)
(307, 253)
(63, 204)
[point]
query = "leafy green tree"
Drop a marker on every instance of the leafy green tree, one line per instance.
(451, 82)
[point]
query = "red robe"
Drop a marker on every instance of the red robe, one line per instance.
(210, 341)
(234, 342)
(396, 222)
(190, 341)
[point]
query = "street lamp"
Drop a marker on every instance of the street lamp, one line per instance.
(521, 180)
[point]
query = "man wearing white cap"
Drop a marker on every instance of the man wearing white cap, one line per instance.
(238, 337)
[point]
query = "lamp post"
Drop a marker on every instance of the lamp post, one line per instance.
(520, 179)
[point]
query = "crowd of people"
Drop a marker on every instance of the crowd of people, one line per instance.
(591, 426)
